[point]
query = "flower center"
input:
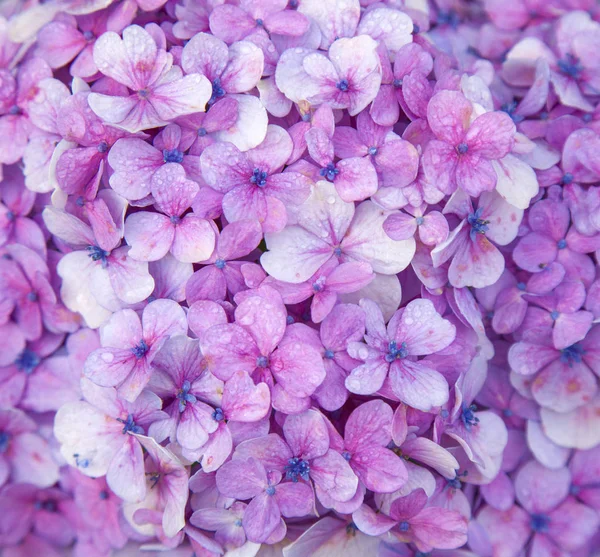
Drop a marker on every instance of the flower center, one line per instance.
(10, 216)
(103, 495)
(102, 147)
(397, 83)
(172, 155)
(478, 225)
(98, 254)
(270, 491)
(27, 361)
(218, 415)
(570, 66)
(143, 93)
(4, 441)
(175, 220)
(567, 178)
(217, 91)
(319, 284)
(462, 148)
(572, 354)
(554, 315)
(296, 468)
(468, 416)
(184, 396)
(561, 244)
(337, 252)
(404, 526)
(202, 132)
(48, 505)
(373, 151)
(130, 426)
(329, 172)
(347, 456)
(139, 350)
(259, 178)
(329, 354)
(395, 352)
(540, 523)
(343, 85)
(262, 361)
(220, 263)
(510, 108)
(419, 221)
(32, 296)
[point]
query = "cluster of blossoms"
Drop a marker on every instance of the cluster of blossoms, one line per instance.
(300, 279)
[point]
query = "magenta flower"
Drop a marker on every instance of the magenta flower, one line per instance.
(204, 128)
(475, 260)
(416, 330)
(61, 42)
(550, 520)
(461, 154)
(24, 455)
(78, 166)
(304, 456)
(166, 489)
(432, 227)
(252, 182)
(254, 18)
(223, 273)
(129, 346)
(367, 433)
(15, 97)
(270, 498)
(414, 522)
(349, 77)
(96, 436)
(325, 286)
(135, 162)
(188, 237)
(160, 93)
(329, 228)
(179, 375)
(234, 69)
(564, 379)
(100, 272)
(251, 344)
(552, 239)
(395, 159)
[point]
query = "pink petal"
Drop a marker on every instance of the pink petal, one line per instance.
(243, 401)
(332, 474)
(417, 385)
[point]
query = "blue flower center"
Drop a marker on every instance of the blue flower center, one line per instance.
(238, 522)
(104, 495)
(561, 244)
(102, 147)
(88, 35)
(49, 505)
(172, 155)
(217, 91)
(220, 263)
(554, 315)
(184, 396)
(567, 178)
(419, 221)
(570, 66)
(337, 252)
(32, 296)
(510, 108)
(81, 462)
(289, 320)
(343, 85)
(262, 361)
(27, 361)
(449, 17)
(462, 148)
(130, 426)
(396, 352)
(297, 468)
(14, 110)
(202, 132)
(260, 22)
(587, 118)
(468, 416)
(329, 172)
(521, 285)
(572, 354)
(218, 415)
(139, 350)
(397, 83)
(4, 441)
(329, 354)
(372, 151)
(347, 456)
(540, 523)
(574, 490)
(270, 491)
(416, 29)
(98, 254)
(507, 412)
(259, 177)
(10, 216)
(144, 93)
(455, 483)
(478, 225)
(404, 526)
(175, 220)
